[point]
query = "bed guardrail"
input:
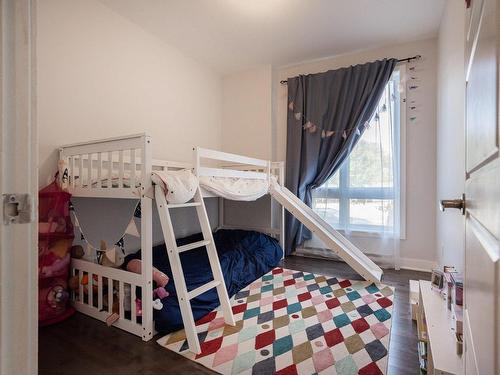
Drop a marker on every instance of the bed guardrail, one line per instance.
(106, 291)
(117, 167)
(227, 170)
(238, 166)
(112, 167)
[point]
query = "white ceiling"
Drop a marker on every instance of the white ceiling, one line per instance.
(232, 35)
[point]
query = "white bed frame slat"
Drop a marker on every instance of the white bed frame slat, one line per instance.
(80, 171)
(72, 171)
(99, 292)
(227, 157)
(90, 286)
(110, 170)
(120, 169)
(132, 168)
(121, 299)
(74, 272)
(80, 288)
(99, 170)
(133, 312)
(110, 296)
(220, 172)
(89, 171)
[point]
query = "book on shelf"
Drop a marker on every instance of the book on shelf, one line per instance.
(422, 350)
(422, 356)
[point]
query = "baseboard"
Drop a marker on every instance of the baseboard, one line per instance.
(423, 265)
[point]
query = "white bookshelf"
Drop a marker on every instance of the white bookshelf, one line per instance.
(434, 322)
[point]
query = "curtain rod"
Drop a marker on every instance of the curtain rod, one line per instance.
(407, 59)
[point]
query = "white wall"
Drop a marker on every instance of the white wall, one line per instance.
(419, 249)
(247, 130)
(246, 112)
(451, 132)
(99, 75)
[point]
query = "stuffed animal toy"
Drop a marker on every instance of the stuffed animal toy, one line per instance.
(74, 285)
(77, 252)
(58, 266)
(159, 277)
(161, 280)
(61, 247)
(157, 305)
(63, 175)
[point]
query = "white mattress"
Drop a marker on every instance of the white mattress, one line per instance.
(238, 189)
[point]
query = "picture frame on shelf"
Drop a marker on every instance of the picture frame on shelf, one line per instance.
(437, 279)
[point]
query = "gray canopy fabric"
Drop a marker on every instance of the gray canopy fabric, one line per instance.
(327, 114)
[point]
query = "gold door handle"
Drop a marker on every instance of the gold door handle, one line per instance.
(453, 203)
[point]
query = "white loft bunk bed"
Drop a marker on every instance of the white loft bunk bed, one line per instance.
(123, 167)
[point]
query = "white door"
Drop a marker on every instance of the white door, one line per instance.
(18, 186)
(482, 251)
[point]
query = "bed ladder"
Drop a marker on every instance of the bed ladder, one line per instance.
(184, 296)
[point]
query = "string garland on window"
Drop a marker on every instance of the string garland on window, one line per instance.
(325, 133)
(413, 87)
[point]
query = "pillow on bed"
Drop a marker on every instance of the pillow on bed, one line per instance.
(179, 186)
(238, 189)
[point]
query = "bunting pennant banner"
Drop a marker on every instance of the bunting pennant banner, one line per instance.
(76, 223)
(103, 255)
(111, 254)
(132, 229)
(103, 252)
(121, 244)
(137, 212)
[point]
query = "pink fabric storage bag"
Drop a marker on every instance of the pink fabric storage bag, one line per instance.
(55, 238)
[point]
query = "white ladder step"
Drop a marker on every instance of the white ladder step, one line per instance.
(202, 289)
(180, 205)
(192, 245)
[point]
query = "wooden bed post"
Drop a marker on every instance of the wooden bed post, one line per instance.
(146, 241)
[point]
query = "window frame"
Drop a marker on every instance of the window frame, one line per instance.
(349, 193)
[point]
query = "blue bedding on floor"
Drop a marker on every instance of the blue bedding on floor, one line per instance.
(244, 256)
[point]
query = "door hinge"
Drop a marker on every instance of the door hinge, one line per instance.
(17, 209)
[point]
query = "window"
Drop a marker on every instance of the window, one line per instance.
(364, 194)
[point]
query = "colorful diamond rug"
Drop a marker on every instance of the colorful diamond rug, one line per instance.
(293, 322)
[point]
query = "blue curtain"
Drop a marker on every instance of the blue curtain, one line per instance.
(327, 114)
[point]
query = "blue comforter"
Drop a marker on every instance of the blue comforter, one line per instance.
(244, 257)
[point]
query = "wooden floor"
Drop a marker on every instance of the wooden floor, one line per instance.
(82, 345)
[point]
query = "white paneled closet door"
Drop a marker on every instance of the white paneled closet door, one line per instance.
(19, 187)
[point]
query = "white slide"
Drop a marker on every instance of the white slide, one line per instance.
(332, 239)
